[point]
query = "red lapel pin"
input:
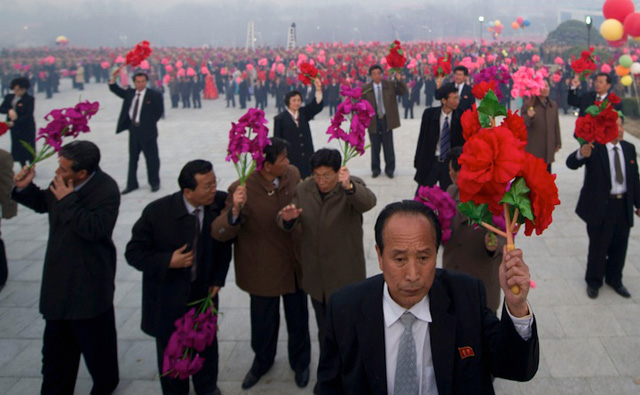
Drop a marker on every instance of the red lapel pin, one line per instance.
(466, 352)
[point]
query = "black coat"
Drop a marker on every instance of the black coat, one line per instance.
(80, 262)
(165, 226)
(428, 140)
(24, 128)
(592, 204)
(299, 137)
(151, 111)
(467, 100)
(584, 100)
(352, 359)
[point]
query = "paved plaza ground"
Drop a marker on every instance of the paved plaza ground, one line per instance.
(587, 346)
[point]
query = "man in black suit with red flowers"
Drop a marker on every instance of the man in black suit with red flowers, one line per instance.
(141, 110)
(583, 100)
(611, 190)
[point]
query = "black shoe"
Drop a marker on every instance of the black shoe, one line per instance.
(389, 174)
(375, 174)
(250, 380)
(302, 378)
(592, 292)
(622, 291)
(129, 190)
(155, 188)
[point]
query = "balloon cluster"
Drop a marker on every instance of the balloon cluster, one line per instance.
(495, 27)
(625, 68)
(621, 22)
(520, 23)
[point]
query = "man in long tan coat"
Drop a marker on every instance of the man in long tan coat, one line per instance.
(266, 264)
(328, 209)
(382, 95)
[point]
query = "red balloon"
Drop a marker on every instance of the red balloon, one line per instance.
(632, 24)
(617, 9)
(619, 43)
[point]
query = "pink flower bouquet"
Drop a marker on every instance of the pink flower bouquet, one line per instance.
(247, 152)
(527, 82)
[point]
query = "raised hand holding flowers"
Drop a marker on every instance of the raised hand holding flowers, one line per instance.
(585, 65)
(396, 58)
(599, 122)
(140, 52)
(308, 73)
(246, 152)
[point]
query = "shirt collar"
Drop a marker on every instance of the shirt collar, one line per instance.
(142, 92)
(77, 187)
(190, 208)
(293, 114)
(393, 311)
(444, 114)
(611, 146)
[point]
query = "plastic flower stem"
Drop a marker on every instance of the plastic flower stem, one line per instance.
(493, 229)
(510, 246)
(515, 220)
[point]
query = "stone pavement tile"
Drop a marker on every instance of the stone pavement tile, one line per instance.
(614, 385)
(555, 267)
(9, 349)
(6, 383)
(122, 316)
(628, 315)
(232, 297)
(588, 321)
(606, 296)
(624, 352)
(576, 358)
(26, 270)
(235, 325)
(15, 320)
(21, 249)
(556, 386)
(25, 386)
(139, 361)
(568, 246)
(129, 328)
(573, 228)
(24, 294)
(139, 387)
(548, 324)
(122, 298)
(551, 292)
(27, 362)
(506, 387)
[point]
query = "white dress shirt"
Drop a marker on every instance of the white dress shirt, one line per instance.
(133, 104)
(295, 116)
(459, 88)
(377, 90)
(443, 116)
(191, 209)
(393, 329)
(615, 187)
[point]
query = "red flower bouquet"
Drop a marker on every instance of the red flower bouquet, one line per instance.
(359, 112)
(3, 128)
(442, 66)
(599, 122)
(585, 65)
(498, 177)
(308, 73)
(139, 53)
(244, 149)
(396, 58)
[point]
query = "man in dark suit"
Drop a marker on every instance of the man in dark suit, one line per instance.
(611, 190)
(440, 131)
(381, 94)
(417, 329)
(78, 280)
(333, 96)
(460, 74)
(171, 244)
(141, 110)
(583, 100)
(19, 107)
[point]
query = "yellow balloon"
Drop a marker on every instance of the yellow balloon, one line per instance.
(612, 30)
(626, 80)
(497, 22)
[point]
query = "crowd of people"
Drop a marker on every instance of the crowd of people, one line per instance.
(295, 226)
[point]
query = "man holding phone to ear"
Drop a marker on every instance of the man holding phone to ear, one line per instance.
(171, 245)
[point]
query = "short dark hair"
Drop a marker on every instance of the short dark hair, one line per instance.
(408, 207)
(374, 67)
(289, 95)
(446, 90)
(325, 157)
(462, 68)
(187, 177)
(605, 75)
(22, 82)
(85, 155)
(454, 155)
(140, 74)
(277, 147)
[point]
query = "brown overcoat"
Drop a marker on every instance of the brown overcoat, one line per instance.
(466, 253)
(543, 130)
(264, 255)
(331, 229)
(390, 91)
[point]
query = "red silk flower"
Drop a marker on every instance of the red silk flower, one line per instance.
(3, 128)
(139, 53)
(613, 98)
(489, 161)
(584, 65)
(515, 123)
(470, 123)
(307, 73)
(443, 66)
(543, 195)
(601, 129)
(481, 89)
(396, 58)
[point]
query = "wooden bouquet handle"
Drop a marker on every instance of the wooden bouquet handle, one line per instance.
(510, 245)
(515, 289)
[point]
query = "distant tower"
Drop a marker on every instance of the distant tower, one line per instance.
(291, 37)
(251, 37)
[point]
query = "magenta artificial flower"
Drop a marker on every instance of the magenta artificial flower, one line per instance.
(442, 204)
(243, 148)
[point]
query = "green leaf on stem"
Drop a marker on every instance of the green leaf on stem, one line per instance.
(475, 213)
(593, 110)
(491, 106)
(29, 148)
(518, 197)
(485, 120)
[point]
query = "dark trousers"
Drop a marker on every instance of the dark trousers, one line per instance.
(332, 108)
(320, 309)
(265, 323)
(608, 246)
(408, 110)
(65, 340)
(150, 149)
(206, 380)
(4, 268)
(438, 174)
(382, 138)
(197, 103)
(232, 100)
(175, 101)
(186, 101)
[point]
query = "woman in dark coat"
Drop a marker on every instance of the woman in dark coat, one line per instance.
(19, 107)
(293, 125)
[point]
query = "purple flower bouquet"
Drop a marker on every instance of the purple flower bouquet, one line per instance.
(247, 152)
